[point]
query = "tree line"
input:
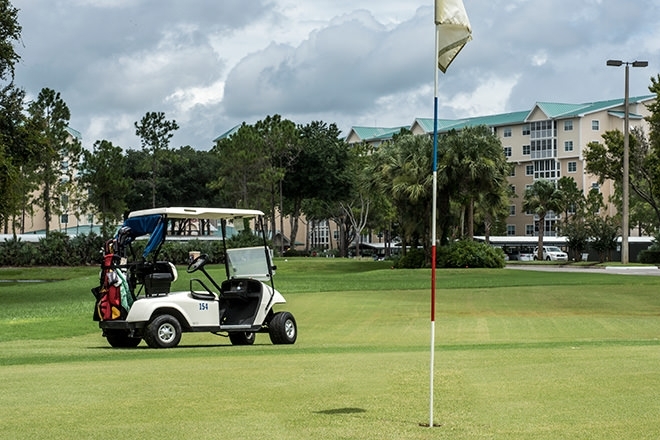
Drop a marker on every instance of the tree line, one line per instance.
(301, 171)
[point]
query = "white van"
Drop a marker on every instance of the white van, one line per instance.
(551, 253)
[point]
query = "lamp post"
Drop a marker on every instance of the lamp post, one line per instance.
(626, 158)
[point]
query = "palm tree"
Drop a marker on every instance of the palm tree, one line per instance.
(401, 167)
(541, 198)
(475, 167)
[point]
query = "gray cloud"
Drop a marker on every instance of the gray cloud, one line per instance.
(211, 65)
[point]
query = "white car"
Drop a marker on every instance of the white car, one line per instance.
(134, 302)
(551, 253)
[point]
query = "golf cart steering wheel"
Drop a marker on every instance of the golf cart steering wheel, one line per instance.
(197, 263)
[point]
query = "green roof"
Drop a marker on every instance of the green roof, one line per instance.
(74, 133)
(561, 111)
(553, 110)
(227, 133)
(377, 133)
(457, 124)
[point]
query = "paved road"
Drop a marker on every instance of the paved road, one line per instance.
(621, 270)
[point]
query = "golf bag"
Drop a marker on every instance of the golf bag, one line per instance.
(112, 296)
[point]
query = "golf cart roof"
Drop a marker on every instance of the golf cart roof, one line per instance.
(153, 222)
(200, 213)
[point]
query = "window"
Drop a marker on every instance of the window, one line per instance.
(510, 230)
(546, 169)
(507, 151)
(568, 146)
(544, 139)
(529, 170)
(512, 188)
(527, 149)
(64, 218)
(512, 171)
(595, 186)
(529, 229)
(568, 125)
(512, 210)
(595, 125)
(507, 132)
(525, 130)
(572, 167)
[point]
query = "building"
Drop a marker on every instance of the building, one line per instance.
(545, 142)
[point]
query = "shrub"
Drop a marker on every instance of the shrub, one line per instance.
(54, 250)
(467, 253)
(15, 252)
(86, 249)
(649, 256)
(414, 259)
(295, 253)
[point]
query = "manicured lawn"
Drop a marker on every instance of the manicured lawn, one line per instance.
(519, 355)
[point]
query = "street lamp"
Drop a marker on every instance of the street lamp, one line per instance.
(626, 158)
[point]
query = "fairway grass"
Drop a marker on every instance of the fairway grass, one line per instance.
(519, 355)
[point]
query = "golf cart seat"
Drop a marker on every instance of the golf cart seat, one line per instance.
(158, 278)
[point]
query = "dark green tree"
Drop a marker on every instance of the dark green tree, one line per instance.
(155, 133)
(14, 151)
(16, 157)
(103, 175)
(190, 173)
(10, 34)
(138, 171)
(47, 126)
(572, 205)
(238, 177)
(541, 198)
(317, 172)
(278, 140)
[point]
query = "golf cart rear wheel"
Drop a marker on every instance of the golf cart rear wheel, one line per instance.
(120, 339)
(282, 328)
(242, 338)
(163, 332)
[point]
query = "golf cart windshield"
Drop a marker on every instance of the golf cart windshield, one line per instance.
(249, 262)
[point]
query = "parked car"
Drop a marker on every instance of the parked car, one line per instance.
(551, 253)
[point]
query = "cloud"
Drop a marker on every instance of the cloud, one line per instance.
(213, 64)
(345, 66)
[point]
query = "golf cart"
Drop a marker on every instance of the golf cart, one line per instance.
(134, 302)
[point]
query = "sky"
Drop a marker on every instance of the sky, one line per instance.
(212, 64)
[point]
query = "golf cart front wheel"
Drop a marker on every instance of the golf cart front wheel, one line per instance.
(282, 328)
(163, 332)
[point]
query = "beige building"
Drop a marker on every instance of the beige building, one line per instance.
(546, 142)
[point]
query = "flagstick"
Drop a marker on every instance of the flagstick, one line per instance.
(433, 222)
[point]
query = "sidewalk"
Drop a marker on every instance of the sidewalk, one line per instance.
(621, 270)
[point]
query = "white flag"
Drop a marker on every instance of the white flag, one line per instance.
(454, 30)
